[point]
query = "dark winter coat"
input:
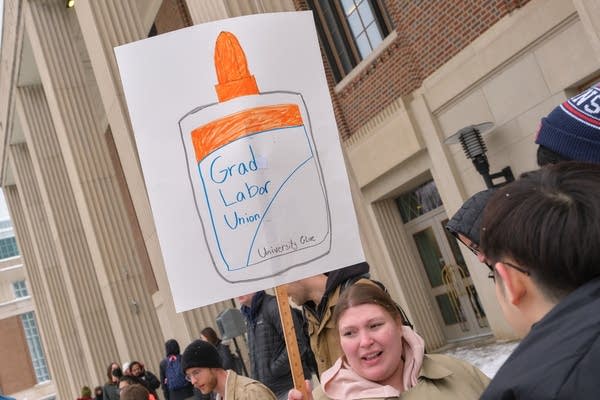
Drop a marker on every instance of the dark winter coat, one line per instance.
(467, 220)
(226, 356)
(150, 382)
(110, 391)
(172, 349)
(559, 358)
(266, 344)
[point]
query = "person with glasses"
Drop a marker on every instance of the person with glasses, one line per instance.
(541, 240)
(566, 134)
(466, 222)
(203, 367)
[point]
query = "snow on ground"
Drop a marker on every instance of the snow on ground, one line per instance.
(486, 355)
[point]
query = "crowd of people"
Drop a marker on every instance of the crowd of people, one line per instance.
(538, 235)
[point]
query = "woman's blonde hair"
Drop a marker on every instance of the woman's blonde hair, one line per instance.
(366, 293)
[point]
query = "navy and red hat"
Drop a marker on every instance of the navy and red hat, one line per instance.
(573, 128)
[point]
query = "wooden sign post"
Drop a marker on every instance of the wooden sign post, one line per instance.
(291, 343)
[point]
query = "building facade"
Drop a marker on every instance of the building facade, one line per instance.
(404, 76)
(24, 372)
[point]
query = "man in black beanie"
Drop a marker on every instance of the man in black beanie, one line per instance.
(202, 366)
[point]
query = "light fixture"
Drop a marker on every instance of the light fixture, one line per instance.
(470, 137)
(70, 3)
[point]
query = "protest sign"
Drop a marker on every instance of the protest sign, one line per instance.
(241, 155)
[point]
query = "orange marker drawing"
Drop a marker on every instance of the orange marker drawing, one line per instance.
(255, 174)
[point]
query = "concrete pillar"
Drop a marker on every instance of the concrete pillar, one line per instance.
(52, 340)
(587, 9)
(415, 295)
(83, 138)
(65, 224)
(451, 191)
(45, 258)
(210, 10)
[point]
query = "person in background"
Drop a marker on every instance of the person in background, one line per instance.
(135, 392)
(266, 343)
(382, 358)
(571, 132)
(211, 337)
(86, 393)
(203, 368)
(172, 378)
(147, 378)
(540, 238)
(127, 380)
(98, 393)
(465, 224)
(111, 388)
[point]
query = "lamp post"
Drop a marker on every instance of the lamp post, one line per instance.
(471, 139)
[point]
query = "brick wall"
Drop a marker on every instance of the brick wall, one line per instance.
(429, 33)
(16, 369)
(337, 108)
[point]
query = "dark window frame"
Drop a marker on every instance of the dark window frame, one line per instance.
(341, 68)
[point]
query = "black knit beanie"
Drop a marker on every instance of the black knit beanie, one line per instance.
(200, 354)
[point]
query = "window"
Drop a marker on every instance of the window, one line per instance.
(20, 289)
(349, 30)
(8, 247)
(35, 347)
(419, 201)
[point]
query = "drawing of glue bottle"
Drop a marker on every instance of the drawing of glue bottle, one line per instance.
(255, 174)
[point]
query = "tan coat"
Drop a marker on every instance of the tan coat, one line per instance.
(441, 378)
(242, 388)
(324, 338)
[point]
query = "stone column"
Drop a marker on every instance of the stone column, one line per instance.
(45, 258)
(81, 132)
(52, 341)
(588, 11)
(71, 246)
(451, 191)
(210, 10)
(420, 308)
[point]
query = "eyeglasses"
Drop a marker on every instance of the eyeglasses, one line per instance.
(193, 374)
(474, 247)
(492, 266)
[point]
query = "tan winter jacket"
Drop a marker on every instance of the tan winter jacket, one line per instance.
(441, 378)
(242, 388)
(324, 338)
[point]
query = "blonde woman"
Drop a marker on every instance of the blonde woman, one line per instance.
(383, 359)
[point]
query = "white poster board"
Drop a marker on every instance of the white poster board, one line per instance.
(241, 157)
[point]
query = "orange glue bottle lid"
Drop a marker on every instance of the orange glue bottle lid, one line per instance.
(232, 69)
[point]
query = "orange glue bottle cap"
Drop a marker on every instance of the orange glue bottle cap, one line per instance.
(232, 69)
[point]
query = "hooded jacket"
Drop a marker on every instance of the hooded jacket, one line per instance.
(559, 357)
(324, 338)
(172, 349)
(266, 344)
